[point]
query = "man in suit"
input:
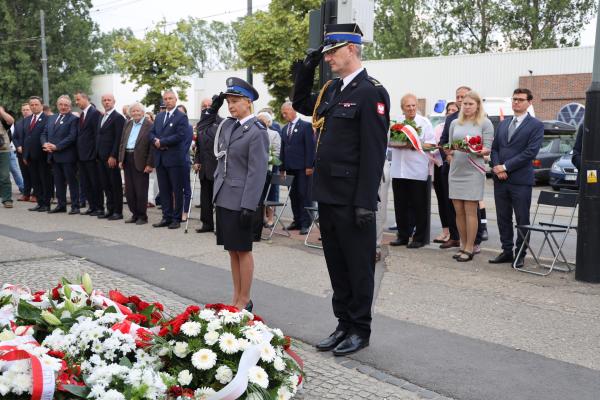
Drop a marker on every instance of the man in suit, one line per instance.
(18, 136)
(108, 140)
(168, 136)
(205, 163)
(516, 144)
(58, 141)
(353, 118)
(136, 158)
(34, 157)
(88, 124)
(297, 159)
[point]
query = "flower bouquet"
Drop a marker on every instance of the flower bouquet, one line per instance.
(469, 144)
(404, 135)
(273, 159)
(71, 342)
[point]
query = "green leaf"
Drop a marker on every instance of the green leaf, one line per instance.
(79, 391)
(28, 311)
(125, 362)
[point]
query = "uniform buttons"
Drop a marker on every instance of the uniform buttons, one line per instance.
(347, 172)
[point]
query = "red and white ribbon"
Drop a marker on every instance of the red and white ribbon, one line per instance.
(413, 136)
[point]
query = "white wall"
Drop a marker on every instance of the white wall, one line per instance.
(433, 78)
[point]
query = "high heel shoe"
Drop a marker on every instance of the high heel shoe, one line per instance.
(249, 306)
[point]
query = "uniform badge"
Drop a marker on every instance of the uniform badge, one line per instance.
(61, 122)
(380, 108)
(171, 124)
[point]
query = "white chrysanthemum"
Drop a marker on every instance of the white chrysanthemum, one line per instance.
(112, 395)
(180, 349)
(279, 364)
(230, 317)
(53, 363)
(184, 377)
(253, 335)
(211, 337)
(214, 325)
(21, 383)
(283, 393)
(244, 344)
(258, 376)
(277, 332)
(98, 313)
(191, 328)
(228, 343)
(203, 393)
(294, 383)
(267, 352)
(207, 315)
(204, 359)
(224, 374)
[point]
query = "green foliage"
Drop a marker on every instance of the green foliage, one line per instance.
(158, 61)
(105, 51)
(210, 45)
(69, 40)
(270, 41)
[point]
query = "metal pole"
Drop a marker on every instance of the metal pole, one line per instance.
(249, 69)
(45, 90)
(588, 232)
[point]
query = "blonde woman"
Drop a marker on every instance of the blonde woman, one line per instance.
(466, 179)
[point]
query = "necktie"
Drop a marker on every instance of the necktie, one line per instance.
(82, 119)
(167, 118)
(236, 125)
(33, 121)
(289, 132)
(60, 117)
(512, 127)
(104, 118)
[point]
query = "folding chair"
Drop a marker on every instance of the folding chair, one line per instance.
(313, 213)
(550, 229)
(286, 181)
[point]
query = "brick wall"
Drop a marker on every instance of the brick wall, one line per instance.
(551, 92)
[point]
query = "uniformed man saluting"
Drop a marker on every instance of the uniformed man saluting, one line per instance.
(352, 115)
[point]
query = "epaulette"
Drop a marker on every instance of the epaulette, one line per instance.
(260, 124)
(374, 81)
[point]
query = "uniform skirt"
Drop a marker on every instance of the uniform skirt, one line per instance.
(230, 233)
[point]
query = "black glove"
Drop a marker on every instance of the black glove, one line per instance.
(217, 102)
(363, 217)
(246, 217)
(313, 57)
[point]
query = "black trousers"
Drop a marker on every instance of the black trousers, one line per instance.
(66, 174)
(441, 193)
(41, 179)
(511, 198)
(410, 204)
(170, 185)
(206, 203)
(350, 256)
(27, 186)
(136, 188)
(299, 195)
(88, 170)
(112, 185)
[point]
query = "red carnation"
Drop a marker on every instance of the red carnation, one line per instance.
(175, 391)
(192, 309)
(56, 293)
(137, 318)
(135, 300)
(56, 354)
(159, 306)
(117, 297)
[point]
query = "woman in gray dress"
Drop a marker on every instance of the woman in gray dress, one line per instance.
(466, 179)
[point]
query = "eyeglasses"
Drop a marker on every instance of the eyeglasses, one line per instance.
(519, 99)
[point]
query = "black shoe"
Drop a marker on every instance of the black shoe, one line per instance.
(449, 244)
(97, 213)
(174, 225)
(58, 210)
(205, 229)
(197, 206)
(36, 208)
(304, 231)
(115, 217)
(399, 242)
(504, 257)
(162, 223)
(131, 220)
(333, 340)
(74, 211)
(43, 209)
(520, 263)
(89, 211)
(249, 306)
(104, 215)
(415, 245)
(141, 221)
(484, 235)
(351, 344)
(293, 227)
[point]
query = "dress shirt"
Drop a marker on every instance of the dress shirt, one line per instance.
(133, 135)
(246, 119)
(411, 164)
(106, 116)
(84, 112)
(168, 114)
(350, 77)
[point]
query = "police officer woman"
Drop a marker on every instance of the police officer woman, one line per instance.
(241, 147)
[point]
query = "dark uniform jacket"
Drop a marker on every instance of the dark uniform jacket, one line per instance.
(142, 152)
(205, 155)
(63, 135)
(351, 146)
(109, 136)
(32, 146)
(86, 135)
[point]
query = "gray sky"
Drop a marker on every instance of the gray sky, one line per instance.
(140, 15)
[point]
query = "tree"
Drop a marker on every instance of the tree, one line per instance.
(70, 47)
(158, 61)
(105, 49)
(400, 30)
(542, 24)
(271, 41)
(210, 45)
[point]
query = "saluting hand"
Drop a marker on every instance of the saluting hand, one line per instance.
(313, 57)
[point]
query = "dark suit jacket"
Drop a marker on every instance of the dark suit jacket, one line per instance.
(63, 135)
(205, 141)
(19, 133)
(298, 150)
(446, 132)
(576, 159)
(32, 147)
(86, 135)
(172, 136)
(109, 136)
(142, 152)
(353, 141)
(518, 154)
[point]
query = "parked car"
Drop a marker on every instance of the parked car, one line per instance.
(559, 139)
(563, 173)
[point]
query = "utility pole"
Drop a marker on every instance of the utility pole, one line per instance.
(249, 69)
(588, 231)
(45, 90)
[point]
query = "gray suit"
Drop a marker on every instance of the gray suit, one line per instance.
(240, 185)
